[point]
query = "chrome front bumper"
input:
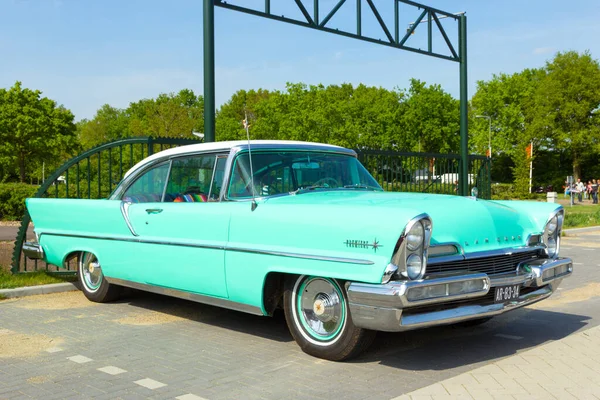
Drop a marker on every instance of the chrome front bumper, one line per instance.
(391, 307)
(33, 250)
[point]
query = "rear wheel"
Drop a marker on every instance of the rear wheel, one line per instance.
(93, 284)
(317, 315)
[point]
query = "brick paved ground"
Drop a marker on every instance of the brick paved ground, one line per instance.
(148, 346)
(565, 369)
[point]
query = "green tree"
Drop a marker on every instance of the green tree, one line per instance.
(33, 129)
(228, 123)
(567, 103)
(431, 120)
(169, 115)
(510, 101)
(108, 124)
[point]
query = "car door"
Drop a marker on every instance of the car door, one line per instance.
(183, 230)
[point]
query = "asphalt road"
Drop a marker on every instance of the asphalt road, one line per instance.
(64, 346)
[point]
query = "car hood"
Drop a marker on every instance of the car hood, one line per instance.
(475, 224)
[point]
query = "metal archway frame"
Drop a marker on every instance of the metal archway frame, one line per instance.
(312, 20)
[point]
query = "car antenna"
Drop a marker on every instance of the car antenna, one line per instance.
(247, 127)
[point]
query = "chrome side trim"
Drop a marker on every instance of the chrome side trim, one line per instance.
(125, 212)
(33, 251)
(222, 247)
(199, 298)
(300, 255)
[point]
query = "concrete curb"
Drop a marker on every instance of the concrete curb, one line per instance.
(41, 289)
(579, 230)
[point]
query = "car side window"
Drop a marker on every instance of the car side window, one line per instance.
(219, 175)
(149, 186)
(190, 179)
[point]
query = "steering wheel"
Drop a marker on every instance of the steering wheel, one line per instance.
(325, 182)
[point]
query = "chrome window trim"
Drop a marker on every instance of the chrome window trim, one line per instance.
(212, 181)
(162, 198)
(305, 256)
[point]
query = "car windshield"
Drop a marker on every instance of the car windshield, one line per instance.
(285, 172)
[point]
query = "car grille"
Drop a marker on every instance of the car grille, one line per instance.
(489, 265)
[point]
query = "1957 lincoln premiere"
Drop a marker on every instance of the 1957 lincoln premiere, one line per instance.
(256, 226)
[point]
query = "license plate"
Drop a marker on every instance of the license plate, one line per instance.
(506, 293)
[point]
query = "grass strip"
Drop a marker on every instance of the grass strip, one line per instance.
(580, 218)
(10, 281)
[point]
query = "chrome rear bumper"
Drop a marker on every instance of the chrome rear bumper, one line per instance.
(391, 307)
(33, 250)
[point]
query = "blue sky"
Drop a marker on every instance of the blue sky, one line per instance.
(85, 53)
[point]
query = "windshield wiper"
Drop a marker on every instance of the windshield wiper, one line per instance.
(309, 188)
(361, 186)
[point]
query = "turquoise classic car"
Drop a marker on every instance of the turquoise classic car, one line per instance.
(304, 227)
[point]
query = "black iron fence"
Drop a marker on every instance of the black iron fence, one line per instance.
(425, 172)
(91, 175)
(95, 173)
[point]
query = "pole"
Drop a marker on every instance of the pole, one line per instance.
(530, 166)
(209, 71)
(490, 136)
(464, 129)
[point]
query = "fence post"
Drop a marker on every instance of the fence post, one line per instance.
(150, 146)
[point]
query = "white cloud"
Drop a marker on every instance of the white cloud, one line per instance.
(543, 50)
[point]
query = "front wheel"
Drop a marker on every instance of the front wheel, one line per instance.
(93, 284)
(317, 315)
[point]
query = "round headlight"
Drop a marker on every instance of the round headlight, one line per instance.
(551, 247)
(414, 239)
(414, 266)
(551, 226)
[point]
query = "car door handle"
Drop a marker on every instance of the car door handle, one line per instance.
(154, 210)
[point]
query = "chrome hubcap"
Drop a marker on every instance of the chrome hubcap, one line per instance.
(91, 272)
(321, 308)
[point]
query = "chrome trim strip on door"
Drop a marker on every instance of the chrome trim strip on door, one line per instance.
(227, 248)
(199, 298)
(300, 255)
(125, 212)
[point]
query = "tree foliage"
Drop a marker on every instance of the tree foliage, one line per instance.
(33, 129)
(555, 108)
(344, 115)
(169, 115)
(567, 105)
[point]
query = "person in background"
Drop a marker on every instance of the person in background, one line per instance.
(580, 189)
(588, 190)
(594, 191)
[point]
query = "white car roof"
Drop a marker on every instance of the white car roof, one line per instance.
(226, 145)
